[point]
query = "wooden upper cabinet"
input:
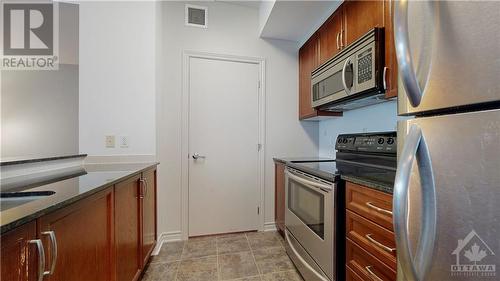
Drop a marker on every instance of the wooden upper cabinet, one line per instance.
(331, 37)
(18, 256)
(83, 233)
(148, 214)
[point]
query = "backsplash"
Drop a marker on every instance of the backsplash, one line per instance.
(375, 118)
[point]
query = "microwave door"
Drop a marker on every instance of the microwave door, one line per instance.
(448, 54)
(446, 197)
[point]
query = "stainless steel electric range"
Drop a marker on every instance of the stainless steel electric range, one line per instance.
(315, 210)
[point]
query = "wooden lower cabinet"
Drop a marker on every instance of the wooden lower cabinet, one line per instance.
(128, 229)
(108, 236)
(148, 214)
(18, 256)
(370, 247)
(279, 197)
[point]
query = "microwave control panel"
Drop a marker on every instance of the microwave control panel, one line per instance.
(365, 61)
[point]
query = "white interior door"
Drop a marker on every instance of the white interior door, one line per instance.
(224, 130)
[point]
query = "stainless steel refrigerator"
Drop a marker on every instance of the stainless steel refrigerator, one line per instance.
(447, 189)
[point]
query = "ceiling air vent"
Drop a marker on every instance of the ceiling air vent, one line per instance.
(196, 16)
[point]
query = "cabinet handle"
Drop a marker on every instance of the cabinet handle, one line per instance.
(371, 273)
(41, 258)
(341, 39)
(384, 75)
(146, 187)
(388, 249)
(53, 246)
(371, 206)
(143, 184)
(338, 46)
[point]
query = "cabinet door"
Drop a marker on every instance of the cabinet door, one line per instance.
(279, 211)
(128, 229)
(330, 37)
(19, 257)
(148, 213)
(361, 17)
(308, 60)
(83, 233)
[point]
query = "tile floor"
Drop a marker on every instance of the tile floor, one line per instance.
(253, 256)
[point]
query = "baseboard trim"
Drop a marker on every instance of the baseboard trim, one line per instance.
(270, 226)
(165, 237)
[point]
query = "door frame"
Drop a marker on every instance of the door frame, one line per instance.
(186, 56)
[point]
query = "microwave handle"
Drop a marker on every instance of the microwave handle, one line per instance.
(347, 61)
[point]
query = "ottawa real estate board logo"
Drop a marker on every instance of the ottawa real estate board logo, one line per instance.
(29, 36)
(473, 258)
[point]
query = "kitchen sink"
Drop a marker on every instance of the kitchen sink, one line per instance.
(13, 199)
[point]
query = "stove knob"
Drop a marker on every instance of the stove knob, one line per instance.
(339, 140)
(390, 141)
(381, 141)
(345, 141)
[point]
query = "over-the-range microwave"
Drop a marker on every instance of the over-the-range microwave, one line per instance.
(354, 77)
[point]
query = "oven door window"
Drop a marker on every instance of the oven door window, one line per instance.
(308, 205)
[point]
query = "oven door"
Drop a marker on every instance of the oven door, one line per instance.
(309, 219)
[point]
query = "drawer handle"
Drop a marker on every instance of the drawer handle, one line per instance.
(41, 258)
(371, 206)
(372, 274)
(388, 249)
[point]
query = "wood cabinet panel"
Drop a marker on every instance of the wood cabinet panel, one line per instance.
(19, 257)
(279, 199)
(148, 214)
(85, 239)
(350, 275)
(369, 203)
(367, 266)
(375, 239)
(128, 229)
(361, 17)
(330, 39)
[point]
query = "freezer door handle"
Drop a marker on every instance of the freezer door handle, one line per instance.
(403, 53)
(414, 267)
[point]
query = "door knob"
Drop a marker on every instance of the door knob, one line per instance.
(197, 156)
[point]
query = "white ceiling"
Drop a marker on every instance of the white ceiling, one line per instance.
(297, 20)
(252, 4)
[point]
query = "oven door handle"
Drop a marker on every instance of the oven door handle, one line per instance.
(309, 267)
(301, 180)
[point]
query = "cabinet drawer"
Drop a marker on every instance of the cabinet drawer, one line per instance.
(367, 266)
(375, 239)
(350, 275)
(371, 204)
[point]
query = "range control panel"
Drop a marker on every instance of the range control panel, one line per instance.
(385, 142)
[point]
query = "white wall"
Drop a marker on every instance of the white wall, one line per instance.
(233, 29)
(117, 76)
(375, 118)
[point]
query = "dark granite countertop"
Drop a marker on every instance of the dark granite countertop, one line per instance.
(88, 180)
(377, 185)
(25, 160)
(301, 159)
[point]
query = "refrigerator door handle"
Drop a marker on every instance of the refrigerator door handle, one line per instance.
(415, 267)
(403, 53)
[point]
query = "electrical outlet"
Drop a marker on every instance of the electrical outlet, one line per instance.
(110, 141)
(124, 141)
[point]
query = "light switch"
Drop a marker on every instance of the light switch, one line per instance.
(110, 141)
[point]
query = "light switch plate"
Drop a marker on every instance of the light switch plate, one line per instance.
(110, 141)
